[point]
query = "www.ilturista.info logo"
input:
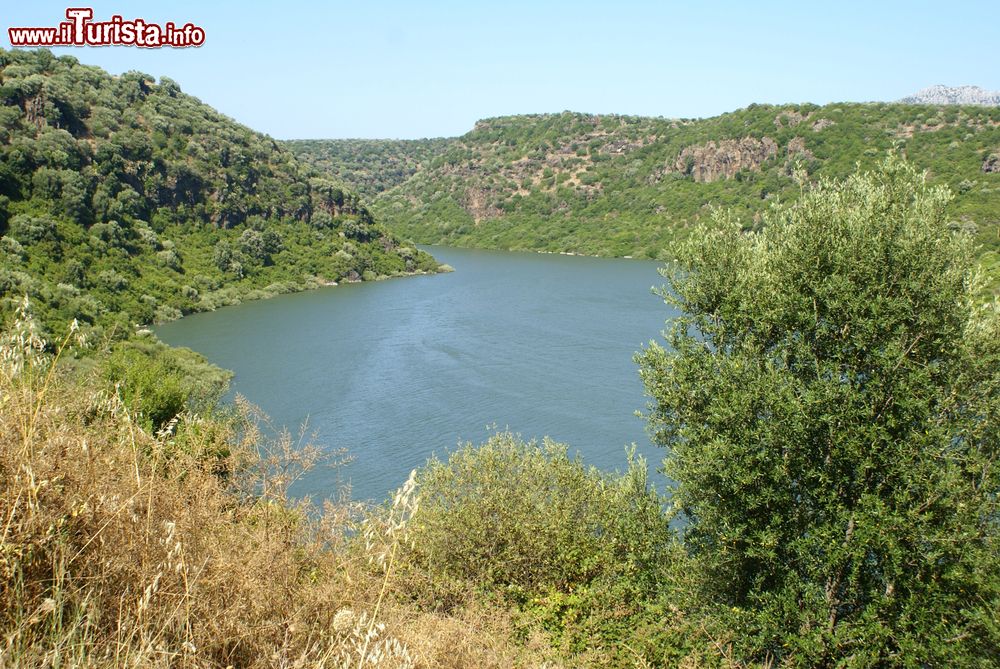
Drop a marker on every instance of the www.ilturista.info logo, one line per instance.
(79, 30)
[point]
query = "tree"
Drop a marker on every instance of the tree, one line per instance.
(829, 400)
(259, 246)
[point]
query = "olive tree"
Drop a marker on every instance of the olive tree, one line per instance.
(829, 403)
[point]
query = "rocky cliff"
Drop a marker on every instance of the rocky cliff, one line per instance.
(954, 95)
(722, 160)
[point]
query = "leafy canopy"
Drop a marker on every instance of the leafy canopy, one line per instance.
(829, 401)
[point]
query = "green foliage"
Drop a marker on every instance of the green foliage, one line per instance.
(587, 556)
(530, 518)
(130, 202)
(623, 185)
(830, 401)
(157, 382)
(369, 166)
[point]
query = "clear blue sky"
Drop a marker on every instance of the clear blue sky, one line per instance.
(369, 68)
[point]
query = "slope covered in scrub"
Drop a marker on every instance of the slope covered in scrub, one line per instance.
(124, 201)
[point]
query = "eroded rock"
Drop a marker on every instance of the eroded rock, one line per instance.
(722, 160)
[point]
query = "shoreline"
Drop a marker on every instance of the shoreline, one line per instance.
(282, 288)
(574, 254)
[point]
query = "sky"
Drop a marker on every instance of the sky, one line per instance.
(371, 68)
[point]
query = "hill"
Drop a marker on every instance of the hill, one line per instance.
(124, 201)
(370, 166)
(632, 186)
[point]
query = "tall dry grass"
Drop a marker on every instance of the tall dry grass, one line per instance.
(120, 548)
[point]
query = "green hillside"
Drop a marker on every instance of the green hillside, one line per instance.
(621, 185)
(370, 166)
(124, 201)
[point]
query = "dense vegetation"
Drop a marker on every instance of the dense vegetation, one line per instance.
(633, 186)
(369, 166)
(586, 557)
(830, 399)
(124, 201)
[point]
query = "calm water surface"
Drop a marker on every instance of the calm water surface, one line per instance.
(397, 370)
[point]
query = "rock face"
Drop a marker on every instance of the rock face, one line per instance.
(789, 119)
(954, 95)
(479, 203)
(992, 164)
(797, 149)
(723, 159)
(822, 123)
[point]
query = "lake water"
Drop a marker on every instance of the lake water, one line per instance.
(397, 370)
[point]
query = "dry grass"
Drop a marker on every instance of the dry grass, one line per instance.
(120, 548)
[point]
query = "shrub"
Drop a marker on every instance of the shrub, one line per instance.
(157, 383)
(528, 517)
(32, 229)
(585, 556)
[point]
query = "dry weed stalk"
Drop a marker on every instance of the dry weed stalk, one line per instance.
(120, 548)
(382, 541)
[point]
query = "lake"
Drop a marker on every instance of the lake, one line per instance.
(397, 370)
